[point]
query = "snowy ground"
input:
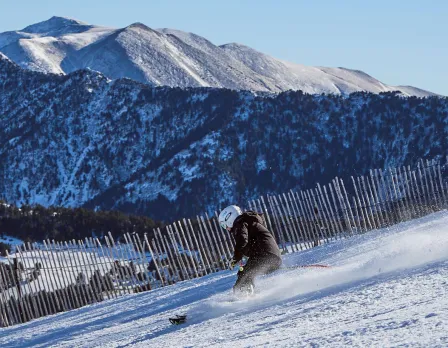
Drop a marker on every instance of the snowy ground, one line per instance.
(386, 288)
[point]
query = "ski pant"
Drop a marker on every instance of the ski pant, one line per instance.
(256, 265)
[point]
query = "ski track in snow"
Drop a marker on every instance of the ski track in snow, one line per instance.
(386, 288)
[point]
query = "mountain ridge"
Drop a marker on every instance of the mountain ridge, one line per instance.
(174, 58)
(84, 140)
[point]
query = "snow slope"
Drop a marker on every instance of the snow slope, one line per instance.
(386, 288)
(173, 58)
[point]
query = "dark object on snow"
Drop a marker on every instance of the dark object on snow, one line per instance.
(178, 319)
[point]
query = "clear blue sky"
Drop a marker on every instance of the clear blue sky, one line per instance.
(397, 42)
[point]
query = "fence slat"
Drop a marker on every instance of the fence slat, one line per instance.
(200, 247)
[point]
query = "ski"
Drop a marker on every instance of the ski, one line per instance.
(316, 265)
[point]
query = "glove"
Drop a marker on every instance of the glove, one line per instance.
(232, 263)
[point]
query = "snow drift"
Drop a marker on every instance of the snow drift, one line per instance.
(387, 287)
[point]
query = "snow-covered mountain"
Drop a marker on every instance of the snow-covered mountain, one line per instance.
(385, 288)
(174, 58)
(84, 140)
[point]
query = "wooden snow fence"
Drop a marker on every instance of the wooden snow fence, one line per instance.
(41, 279)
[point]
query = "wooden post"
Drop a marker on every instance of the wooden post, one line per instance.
(295, 226)
(165, 260)
(23, 304)
(163, 264)
(403, 192)
(74, 265)
(44, 291)
(213, 239)
(197, 253)
(169, 258)
(331, 221)
(125, 269)
(185, 273)
(183, 259)
(323, 218)
(364, 220)
(153, 258)
(338, 209)
(367, 201)
(5, 308)
(160, 246)
(95, 267)
(355, 207)
(268, 219)
(320, 217)
(192, 259)
(110, 267)
(344, 195)
(94, 254)
(287, 218)
(416, 190)
(10, 312)
(26, 290)
(365, 205)
(59, 278)
(381, 197)
(227, 243)
(34, 293)
(69, 272)
(65, 275)
(389, 199)
(217, 237)
(273, 223)
(100, 261)
(411, 198)
(397, 198)
(424, 187)
(200, 246)
(441, 185)
(84, 268)
(305, 221)
(428, 171)
(46, 266)
(187, 260)
(309, 213)
(8, 295)
(142, 256)
(173, 256)
(277, 224)
(280, 213)
(220, 238)
(129, 268)
(208, 244)
(113, 270)
(300, 225)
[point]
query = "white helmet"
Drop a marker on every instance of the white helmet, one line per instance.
(228, 216)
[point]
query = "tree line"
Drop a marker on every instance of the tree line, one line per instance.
(36, 223)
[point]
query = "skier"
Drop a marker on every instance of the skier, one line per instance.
(254, 241)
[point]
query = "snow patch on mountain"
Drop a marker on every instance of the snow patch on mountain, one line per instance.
(173, 58)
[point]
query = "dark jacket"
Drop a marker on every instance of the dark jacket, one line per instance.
(252, 238)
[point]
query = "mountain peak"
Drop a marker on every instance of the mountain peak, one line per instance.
(3, 57)
(138, 25)
(55, 23)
